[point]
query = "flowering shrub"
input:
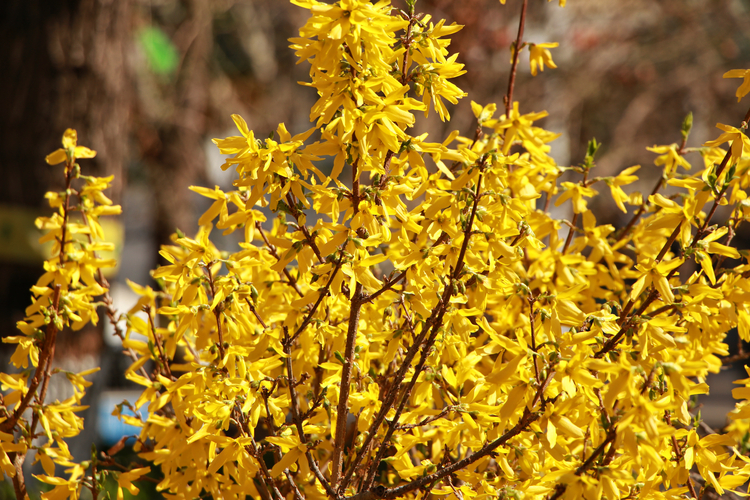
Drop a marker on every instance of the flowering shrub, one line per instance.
(412, 324)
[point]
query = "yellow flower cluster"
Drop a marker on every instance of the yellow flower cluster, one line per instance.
(422, 323)
(423, 326)
(66, 295)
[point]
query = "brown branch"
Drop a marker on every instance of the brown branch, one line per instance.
(624, 321)
(406, 42)
(668, 244)
(478, 133)
(265, 394)
(571, 230)
(514, 66)
(109, 307)
(275, 254)
(66, 208)
(428, 420)
(291, 203)
(703, 230)
(612, 342)
(624, 232)
(43, 390)
(355, 186)
(731, 233)
(532, 300)
(297, 493)
(252, 448)
(95, 485)
(438, 320)
(255, 313)
(323, 293)
(44, 359)
(611, 435)
(526, 419)
(467, 232)
(50, 348)
(387, 286)
(388, 401)
(719, 171)
(217, 312)
(406, 393)
(163, 361)
(297, 418)
(434, 322)
(342, 410)
(373, 494)
(741, 356)
(19, 484)
(44, 365)
(660, 183)
(679, 455)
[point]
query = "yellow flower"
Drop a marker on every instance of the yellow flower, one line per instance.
(622, 179)
(669, 157)
(483, 113)
(576, 193)
(744, 89)
(70, 150)
(125, 481)
(708, 246)
(740, 141)
(656, 274)
(520, 126)
(540, 55)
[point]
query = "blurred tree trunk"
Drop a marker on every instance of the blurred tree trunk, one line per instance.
(64, 65)
(172, 141)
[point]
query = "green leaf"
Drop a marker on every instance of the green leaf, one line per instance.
(161, 54)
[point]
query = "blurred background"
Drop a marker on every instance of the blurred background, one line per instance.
(148, 83)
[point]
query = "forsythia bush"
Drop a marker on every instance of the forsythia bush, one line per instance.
(413, 324)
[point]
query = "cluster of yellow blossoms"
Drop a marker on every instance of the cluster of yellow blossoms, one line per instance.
(66, 295)
(414, 323)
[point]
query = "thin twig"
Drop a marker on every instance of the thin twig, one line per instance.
(253, 450)
(531, 301)
(342, 409)
(291, 203)
(571, 230)
(217, 313)
(163, 361)
(514, 66)
(435, 325)
(639, 212)
(275, 254)
(679, 455)
(668, 244)
(297, 418)
(323, 293)
(611, 435)
(388, 285)
(109, 307)
(428, 420)
(523, 423)
(255, 313)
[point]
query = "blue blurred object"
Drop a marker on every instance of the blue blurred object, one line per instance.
(110, 428)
